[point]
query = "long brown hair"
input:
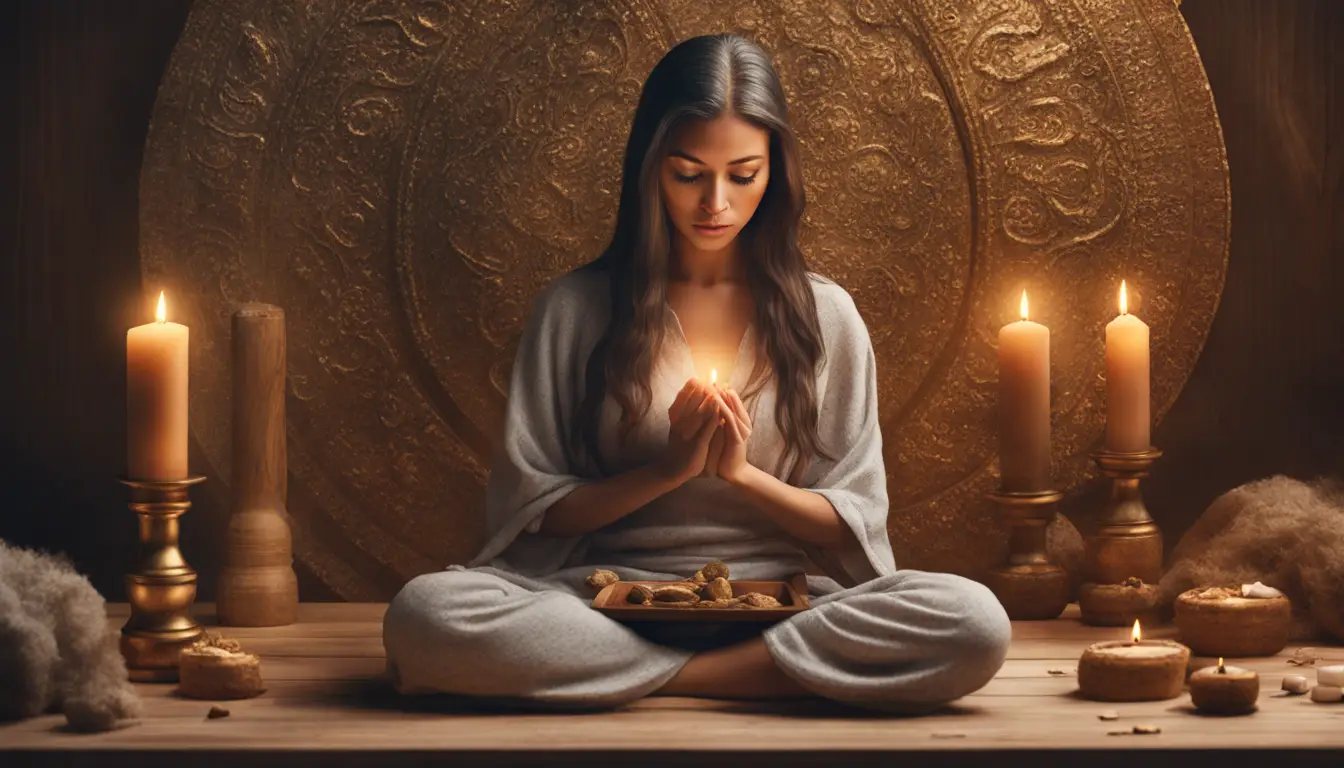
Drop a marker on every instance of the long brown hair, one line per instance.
(696, 80)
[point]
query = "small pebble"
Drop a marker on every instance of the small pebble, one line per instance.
(1147, 729)
(1259, 590)
(1296, 684)
(1109, 714)
(1331, 675)
(217, 712)
(1326, 694)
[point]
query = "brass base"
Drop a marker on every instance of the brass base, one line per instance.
(1029, 586)
(162, 586)
(1127, 542)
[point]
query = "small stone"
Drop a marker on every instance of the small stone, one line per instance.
(217, 712)
(1296, 684)
(1259, 590)
(1326, 694)
(1109, 714)
(1143, 728)
(1331, 675)
(1304, 657)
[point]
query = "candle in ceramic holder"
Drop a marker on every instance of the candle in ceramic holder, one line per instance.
(1221, 621)
(1117, 605)
(1224, 690)
(1138, 670)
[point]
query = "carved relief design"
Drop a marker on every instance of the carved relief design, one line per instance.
(405, 177)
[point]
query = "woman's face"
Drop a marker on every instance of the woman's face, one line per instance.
(713, 179)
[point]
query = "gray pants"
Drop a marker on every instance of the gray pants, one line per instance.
(903, 642)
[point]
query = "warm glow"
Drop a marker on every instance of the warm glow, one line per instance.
(1221, 671)
(1124, 299)
(713, 375)
(161, 314)
(1024, 305)
(1138, 634)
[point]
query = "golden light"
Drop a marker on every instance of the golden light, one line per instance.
(713, 375)
(1221, 671)
(161, 314)
(1024, 305)
(1138, 634)
(1124, 299)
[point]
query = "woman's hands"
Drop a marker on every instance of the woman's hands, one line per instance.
(736, 428)
(693, 419)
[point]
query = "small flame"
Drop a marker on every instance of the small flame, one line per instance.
(1024, 305)
(1221, 671)
(1124, 299)
(1138, 634)
(713, 375)
(161, 314)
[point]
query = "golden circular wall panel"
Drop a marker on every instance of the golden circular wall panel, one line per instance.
(403, 178)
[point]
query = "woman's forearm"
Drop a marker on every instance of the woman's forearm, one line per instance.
(594, 505)
(803, 514)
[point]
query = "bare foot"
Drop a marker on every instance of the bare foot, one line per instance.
(745, 670)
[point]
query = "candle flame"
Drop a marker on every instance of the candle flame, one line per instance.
(1138, 633)
(1124, 299)
(1221, 671)
(161, 314)
(713, 375)
(1024, 305)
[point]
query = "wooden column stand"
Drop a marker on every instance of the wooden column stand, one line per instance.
(162, 587)
(1029, 586)
(257, 587)
(1128, 542)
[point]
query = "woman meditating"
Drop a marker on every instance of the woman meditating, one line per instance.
(619, 452)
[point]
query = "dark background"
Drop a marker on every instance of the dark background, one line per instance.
(1266, 397)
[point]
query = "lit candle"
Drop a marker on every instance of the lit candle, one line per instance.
(1127, 402)
(1138, 670)
(1024, 404)
(1224, 690)
(156, 399)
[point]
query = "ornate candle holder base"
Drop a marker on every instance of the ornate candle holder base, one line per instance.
(1029, 586)
(162, 586)
(1127, 543)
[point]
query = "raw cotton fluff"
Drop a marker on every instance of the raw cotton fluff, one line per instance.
(56, 649)
(1286, 533)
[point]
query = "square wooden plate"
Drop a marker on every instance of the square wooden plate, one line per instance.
(791, 594)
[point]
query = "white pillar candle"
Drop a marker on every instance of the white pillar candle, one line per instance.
(1127, 402)
(1024, 404)
(156, 399)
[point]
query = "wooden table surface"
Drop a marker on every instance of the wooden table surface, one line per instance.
(327, 703)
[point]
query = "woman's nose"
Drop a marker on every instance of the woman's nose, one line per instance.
(715, 204)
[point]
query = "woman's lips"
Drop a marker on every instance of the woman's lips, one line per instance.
(706, 229)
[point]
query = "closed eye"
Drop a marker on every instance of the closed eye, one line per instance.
(741, 180)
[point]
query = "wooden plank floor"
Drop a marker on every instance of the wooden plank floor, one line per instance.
(327, 701)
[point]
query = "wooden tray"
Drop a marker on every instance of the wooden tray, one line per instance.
(791, 594)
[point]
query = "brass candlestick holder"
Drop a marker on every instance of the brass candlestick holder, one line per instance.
(1127, 542)
(162, 586)
(1029, 586)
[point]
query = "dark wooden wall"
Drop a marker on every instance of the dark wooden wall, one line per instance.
(1266, 397)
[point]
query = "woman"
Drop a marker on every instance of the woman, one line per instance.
(618, 454)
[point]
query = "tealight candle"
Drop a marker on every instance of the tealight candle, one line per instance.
(1138, 670)
(1224, 690)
